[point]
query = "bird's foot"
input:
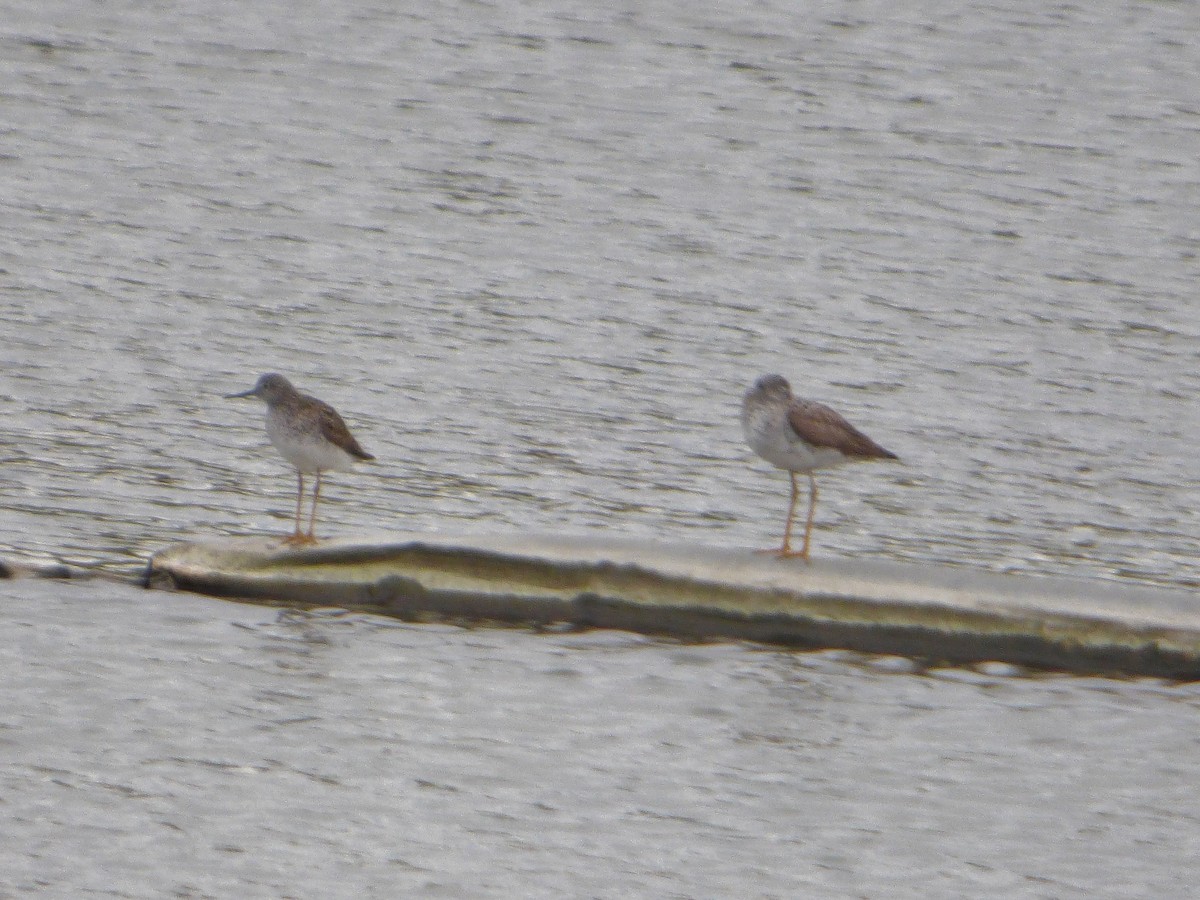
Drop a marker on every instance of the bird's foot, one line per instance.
(784, 553)
(299, 539)
(792, 554)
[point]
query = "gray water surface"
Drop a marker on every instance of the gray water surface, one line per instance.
(170, 745)
(534, 254)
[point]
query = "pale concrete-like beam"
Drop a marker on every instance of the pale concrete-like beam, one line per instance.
(937, 613)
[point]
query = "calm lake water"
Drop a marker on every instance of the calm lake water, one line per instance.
(534, 254)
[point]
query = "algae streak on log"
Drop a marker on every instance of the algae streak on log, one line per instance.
(941, 614)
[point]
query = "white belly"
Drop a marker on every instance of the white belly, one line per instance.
(309, 452)
(773, 438)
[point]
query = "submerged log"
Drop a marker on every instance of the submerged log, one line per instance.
(14, 568)
(940, 614)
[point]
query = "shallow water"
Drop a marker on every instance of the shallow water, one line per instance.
(534, 255)
(170, 745)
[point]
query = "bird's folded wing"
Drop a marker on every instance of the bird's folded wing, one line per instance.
(823, 427)
(334, 430)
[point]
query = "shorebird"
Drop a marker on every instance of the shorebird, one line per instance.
(310, 435)
(800, 436)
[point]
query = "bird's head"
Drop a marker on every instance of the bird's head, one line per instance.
(271, 388)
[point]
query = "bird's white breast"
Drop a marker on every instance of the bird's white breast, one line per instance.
(305, 448)
(772, 437)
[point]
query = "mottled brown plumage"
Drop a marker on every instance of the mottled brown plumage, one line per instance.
(800, 436)
(330, 425)
(310, 435)
(818, 425)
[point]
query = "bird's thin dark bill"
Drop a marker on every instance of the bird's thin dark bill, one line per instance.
(242, 394)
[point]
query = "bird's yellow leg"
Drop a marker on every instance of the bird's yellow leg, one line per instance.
(311, 538)
(812, 508)
(297, 537)
(785, 549)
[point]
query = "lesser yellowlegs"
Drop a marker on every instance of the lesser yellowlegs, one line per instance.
(800, 436)
(310, 435)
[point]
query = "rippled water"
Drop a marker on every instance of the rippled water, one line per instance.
(535, 253)
(158, 745)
